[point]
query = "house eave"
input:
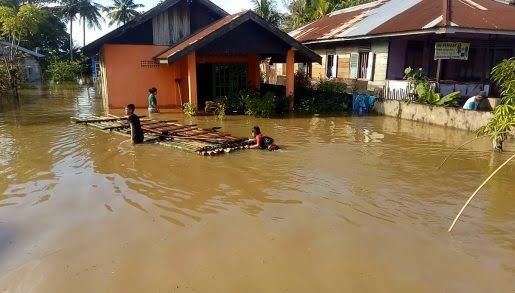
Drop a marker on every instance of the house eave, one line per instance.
(438, 31)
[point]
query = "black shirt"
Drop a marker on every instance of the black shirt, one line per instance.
(137, 133)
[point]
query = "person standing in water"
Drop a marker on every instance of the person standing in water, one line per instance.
(135, 124)
(262, 142)
(152, 101)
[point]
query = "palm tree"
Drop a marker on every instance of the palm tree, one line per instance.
(267, 9)
(122, 11)
(350, 3)
(69, 9)
(90, 13)
(321, 8)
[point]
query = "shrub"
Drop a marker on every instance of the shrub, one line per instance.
(61, 71)
(190, 109)
(424, 93)
(4, 79)
(503, 121)
(17, 74)
(333, 86)
(220, 112)
(267, 106)
(326, 96)
(302, 81)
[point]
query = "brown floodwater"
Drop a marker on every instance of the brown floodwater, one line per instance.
(351, 204)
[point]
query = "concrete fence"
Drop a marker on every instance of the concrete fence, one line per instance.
(438, 115)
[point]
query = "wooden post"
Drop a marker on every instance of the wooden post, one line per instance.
(192, 78)
(290, 77)
(439, 70)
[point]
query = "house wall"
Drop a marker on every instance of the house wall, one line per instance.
(130, 72)
(437, 115)
(348, 62)
(127, 79)
(32, 69)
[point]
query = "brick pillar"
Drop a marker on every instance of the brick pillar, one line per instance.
(254, 70)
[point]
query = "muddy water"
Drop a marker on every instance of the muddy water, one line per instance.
(349, 205)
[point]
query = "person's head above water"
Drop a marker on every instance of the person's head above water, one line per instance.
(154, 90)
(130, 109)
(256, 130)
(482, 95)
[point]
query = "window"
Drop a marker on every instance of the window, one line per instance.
(332, 64)
(148, 64)
(363, 65)
(229, 79)
(305, 68)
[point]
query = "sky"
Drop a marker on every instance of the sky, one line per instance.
(231, 6)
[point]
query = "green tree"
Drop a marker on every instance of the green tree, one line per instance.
(301, 12)
(16, 25)
(503, 122)
(267, 9)
(52, 37)
(321, 8)
(122, 11)
(90, 13)
(69, 10)
(297, 15)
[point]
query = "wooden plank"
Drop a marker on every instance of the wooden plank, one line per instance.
(96, 120)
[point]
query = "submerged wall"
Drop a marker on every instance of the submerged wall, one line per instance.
(438, 115)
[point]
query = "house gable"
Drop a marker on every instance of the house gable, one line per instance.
(165, 24)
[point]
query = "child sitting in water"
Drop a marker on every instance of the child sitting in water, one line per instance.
(263, 142)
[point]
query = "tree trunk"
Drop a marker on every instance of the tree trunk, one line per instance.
(71, 38)
(83, 31)
(498, 143)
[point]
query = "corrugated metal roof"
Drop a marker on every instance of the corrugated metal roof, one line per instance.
(22, 49)
(398, 16)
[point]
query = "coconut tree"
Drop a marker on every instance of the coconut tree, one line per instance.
(122, 11)
(90, 13)
(320, 8)
(268, 10)
(69, 10)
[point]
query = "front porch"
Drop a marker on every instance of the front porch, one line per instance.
(469, 76)
(216, 63)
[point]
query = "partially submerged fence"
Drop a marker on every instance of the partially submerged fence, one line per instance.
(401, 90)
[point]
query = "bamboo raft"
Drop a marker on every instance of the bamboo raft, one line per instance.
(205, 142)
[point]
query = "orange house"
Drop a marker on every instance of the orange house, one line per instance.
(192, 51)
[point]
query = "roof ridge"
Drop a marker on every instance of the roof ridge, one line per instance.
(159, 7)
(356, 7)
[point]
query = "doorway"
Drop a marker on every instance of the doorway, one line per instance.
(220, 81)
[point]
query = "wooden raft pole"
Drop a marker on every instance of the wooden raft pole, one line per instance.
(169, 133)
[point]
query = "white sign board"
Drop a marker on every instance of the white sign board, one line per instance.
(452, 50)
